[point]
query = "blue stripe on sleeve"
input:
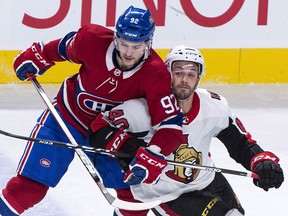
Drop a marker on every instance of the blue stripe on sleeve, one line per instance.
(176, 120)
(62, 44)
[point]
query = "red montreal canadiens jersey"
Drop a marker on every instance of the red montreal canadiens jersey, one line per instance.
(100, 85)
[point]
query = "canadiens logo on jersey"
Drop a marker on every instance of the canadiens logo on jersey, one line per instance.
(185, 154)
(92, 104)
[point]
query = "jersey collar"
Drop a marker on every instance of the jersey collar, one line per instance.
(191, 115)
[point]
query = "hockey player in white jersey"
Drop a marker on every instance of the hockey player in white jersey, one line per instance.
(186, 191)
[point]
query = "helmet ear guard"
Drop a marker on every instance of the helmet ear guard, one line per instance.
(185, 53)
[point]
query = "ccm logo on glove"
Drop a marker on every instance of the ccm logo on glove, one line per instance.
(146, 167)
(39, 56)
(263, 156)
(151, 161)
(116, 144)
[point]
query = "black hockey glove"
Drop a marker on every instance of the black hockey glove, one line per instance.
(270, 173)
(116, 140)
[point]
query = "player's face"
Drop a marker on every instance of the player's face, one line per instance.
(129, 53)
(185, 79)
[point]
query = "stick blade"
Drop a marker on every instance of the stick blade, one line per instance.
(121, 204)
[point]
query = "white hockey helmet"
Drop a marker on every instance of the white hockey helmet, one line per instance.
(185, 53)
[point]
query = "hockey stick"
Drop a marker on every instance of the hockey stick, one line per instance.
(214, 169)
(120, 154)
(68, 145)
(86, 161)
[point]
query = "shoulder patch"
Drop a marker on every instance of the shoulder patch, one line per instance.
(214, 95)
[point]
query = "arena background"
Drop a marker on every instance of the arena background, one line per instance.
(241, 41)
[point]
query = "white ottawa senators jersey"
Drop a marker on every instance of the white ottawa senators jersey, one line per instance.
(209, 115)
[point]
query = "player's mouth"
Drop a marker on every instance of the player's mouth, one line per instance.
(127, 58)
(183, 87)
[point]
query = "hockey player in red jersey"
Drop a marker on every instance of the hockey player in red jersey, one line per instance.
(186, 191)
(115, 67)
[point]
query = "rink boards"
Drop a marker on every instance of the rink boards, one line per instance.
(233, 66)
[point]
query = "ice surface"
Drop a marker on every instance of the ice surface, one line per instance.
(262, 108)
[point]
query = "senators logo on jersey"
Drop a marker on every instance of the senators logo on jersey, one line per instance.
(185, 154)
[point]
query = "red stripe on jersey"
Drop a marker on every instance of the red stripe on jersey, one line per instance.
(30, 143)
(165, 207)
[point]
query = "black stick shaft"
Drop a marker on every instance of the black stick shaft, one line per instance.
(125, 155)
